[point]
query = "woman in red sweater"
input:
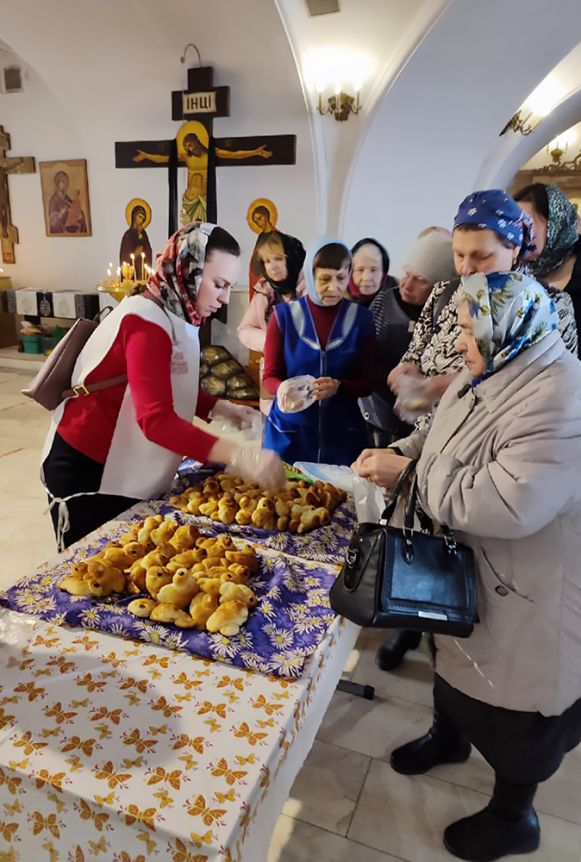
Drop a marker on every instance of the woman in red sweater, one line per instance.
(122, 442)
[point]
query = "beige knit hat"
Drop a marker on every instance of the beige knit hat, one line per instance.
(431, 258)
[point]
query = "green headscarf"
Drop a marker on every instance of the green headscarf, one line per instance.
(561, 233)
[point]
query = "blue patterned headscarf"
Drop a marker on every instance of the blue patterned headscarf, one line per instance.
(497, 211)
(510, 312)
(312, 251)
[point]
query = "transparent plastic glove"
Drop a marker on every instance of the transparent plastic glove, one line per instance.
(236, 417)
(295, 394)
(258, 465)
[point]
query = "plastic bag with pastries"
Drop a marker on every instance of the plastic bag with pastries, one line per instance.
(295, 394)
(237, 417)
(414, 398)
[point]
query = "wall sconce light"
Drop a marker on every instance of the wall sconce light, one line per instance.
(556, 150)
(539, 104)
(340, 105)
(520, 122)
(336, 90)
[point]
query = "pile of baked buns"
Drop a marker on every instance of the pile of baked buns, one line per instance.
(179, 576)
(298, 508)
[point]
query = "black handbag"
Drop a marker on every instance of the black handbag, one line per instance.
(398, 578)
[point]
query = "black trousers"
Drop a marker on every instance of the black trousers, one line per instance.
(66, 472)
(521, 747)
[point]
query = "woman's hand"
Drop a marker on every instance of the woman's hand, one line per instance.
(325, 387)
(382, 466)
(401, 370)
(238, 415)
(258, 465)
(250, 463)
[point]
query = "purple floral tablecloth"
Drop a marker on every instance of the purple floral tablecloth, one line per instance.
(285, 628)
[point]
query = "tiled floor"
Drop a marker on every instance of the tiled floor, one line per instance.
(347, 804)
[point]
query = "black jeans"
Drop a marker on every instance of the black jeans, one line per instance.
(67, 471)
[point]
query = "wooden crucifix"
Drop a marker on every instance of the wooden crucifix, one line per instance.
(196, 148)
(13, 165)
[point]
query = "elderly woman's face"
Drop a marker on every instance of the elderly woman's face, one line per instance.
(413, 288)
(467, 345)
(540, 223)
(367, 269)
(481, 251)
(331, 284)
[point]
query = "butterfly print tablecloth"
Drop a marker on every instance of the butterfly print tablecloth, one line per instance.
(121, 751)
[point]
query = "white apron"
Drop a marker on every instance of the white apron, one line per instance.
(136, 467)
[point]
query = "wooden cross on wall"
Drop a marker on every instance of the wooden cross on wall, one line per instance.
(13, 165)
(195, 147)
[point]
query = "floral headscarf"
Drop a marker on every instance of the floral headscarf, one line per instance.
(178, 270)
(510, 312)
(561, 233)
(497, 211)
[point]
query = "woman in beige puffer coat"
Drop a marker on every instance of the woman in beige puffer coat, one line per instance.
(500, 465)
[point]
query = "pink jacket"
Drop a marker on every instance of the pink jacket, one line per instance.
(252, 328)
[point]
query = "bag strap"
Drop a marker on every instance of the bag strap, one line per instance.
(410, 509)
(82, 389)
(103, 312)
(390, 508)
(443, 300)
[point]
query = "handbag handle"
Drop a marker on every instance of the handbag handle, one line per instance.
(408, 530)
(390, 507)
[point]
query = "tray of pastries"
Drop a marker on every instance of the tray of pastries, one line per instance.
(299, 507)
(174, 574)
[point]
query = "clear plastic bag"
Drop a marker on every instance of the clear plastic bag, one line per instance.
(16, 629)
(252, 432)
(413, 399)
(296, 394)
(369, 501)
(340, 476)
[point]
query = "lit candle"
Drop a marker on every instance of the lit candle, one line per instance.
(142, 265)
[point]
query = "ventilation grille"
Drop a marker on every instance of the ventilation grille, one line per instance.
(322, 7)
(12, 79)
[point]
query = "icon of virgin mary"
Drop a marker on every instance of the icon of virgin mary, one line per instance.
(135, 240)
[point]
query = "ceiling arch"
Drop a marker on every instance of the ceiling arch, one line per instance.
(513, 149)
(436, 126)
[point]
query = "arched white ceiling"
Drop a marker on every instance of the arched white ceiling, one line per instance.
(388, 34)
(513, 150)
(436, 126)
